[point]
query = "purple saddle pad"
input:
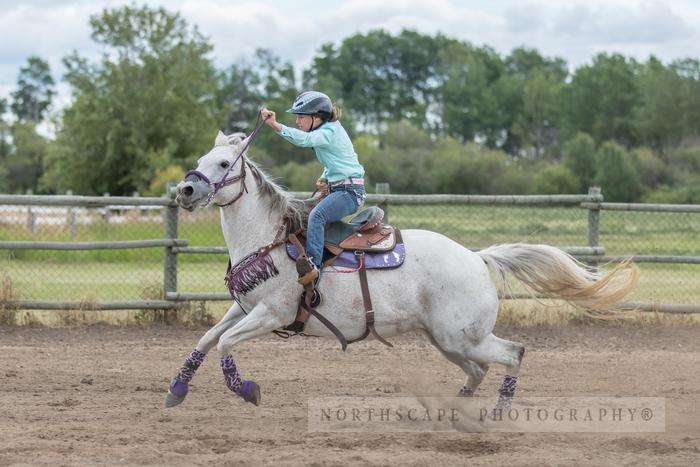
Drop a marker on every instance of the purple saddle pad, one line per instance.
(347, 259)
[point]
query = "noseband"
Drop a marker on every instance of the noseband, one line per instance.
(225, 180)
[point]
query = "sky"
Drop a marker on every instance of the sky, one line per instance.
(574, 30)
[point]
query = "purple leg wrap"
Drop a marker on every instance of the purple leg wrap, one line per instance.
(507, 392)
(192, 362)
(179, 384)
(508, 386)
(231, 375)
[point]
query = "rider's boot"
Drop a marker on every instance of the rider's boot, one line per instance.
(307, 270)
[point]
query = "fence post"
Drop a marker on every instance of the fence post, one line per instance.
(170, 258)
(137, 209)
(31, 215)
(383, 189)
(107, 211)
(593, 222)
(71, 217)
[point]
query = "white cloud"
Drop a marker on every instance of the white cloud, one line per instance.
(649, 23)
(50, 33)
(428, 17)
(577, 31)
(295, 30)
(237, 30)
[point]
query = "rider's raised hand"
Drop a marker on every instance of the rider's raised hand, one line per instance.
(270, 118)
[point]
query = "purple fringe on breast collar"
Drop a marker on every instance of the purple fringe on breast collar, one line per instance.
(250, 272)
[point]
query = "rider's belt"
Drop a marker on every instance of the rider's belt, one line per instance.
(349, 181)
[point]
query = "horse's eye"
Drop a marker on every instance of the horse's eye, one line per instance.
(224, 165)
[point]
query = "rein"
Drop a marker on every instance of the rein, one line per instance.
(258, 266)
(224, 181)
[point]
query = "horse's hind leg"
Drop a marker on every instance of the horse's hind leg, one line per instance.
(493, 349)
(179, 386)
(475, 371)
(474, 379)
(475, 374)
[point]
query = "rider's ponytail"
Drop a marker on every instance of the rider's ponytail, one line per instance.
(335, 114)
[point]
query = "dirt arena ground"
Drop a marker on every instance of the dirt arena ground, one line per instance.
(94, 396)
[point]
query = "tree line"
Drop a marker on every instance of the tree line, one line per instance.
(428, 114)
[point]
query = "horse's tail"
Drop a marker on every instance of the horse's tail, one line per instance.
(548, 271)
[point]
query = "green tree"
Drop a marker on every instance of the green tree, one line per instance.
(238, 97)
(298, 177)
(689, 72)
(658, 114)
(525, 61)
(148, 104)
(263, 80)
(579, 157)
(601, 98)
(411, 161)
(652, 168)
(24, 164)
(402, 156)
(529, 100)
(378, 76)
(617, 173)
(277, 91)
(687, 192)
(162, 178)
(471, 168)
(683, 163)
(35, 91)
(556, 179)
(468, 100)
(4, 147)
(535, 125)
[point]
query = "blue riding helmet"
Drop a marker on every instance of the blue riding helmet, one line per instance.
(311, 103)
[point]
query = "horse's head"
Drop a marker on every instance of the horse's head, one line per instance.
(219, 176)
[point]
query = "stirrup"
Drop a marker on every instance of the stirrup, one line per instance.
(307, 271)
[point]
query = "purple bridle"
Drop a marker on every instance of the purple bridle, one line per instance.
(225, 180)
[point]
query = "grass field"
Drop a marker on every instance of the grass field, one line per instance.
(134, 274)
(134, 280)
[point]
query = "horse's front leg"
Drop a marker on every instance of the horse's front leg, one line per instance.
(179, 385)
(260, 321)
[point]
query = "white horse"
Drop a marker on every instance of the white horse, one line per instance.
(442, 289)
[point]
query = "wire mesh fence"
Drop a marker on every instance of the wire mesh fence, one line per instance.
(138, 274)
(85, 275)
(657, 234)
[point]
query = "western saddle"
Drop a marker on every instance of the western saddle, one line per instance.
(364, 233)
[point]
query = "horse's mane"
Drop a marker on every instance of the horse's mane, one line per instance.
(295, 212)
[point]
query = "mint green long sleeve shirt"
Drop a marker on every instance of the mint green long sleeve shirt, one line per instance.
(333, 149)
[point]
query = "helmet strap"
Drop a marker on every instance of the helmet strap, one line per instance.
(313, 120)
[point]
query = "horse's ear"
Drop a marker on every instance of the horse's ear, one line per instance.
(236, 138)
(221, 139)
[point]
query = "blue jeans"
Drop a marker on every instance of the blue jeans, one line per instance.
(342, 201)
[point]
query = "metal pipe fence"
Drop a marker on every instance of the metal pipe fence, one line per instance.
(106, 253)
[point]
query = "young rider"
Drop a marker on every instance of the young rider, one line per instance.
(342, 178)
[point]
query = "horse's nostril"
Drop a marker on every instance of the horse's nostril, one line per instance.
(187, 190)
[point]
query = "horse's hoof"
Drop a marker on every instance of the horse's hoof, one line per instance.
(171, 400)
(250, 392)
(465, 392)
(176, 393)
